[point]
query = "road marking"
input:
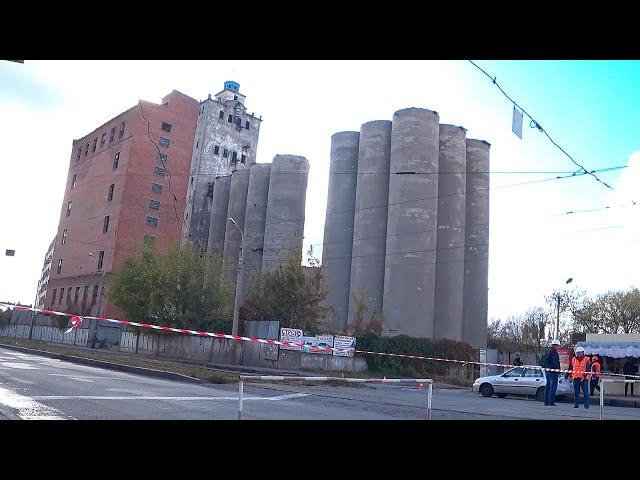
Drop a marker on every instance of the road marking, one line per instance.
(28, 409)
(184, 399)
(19, 366)
(78, 378)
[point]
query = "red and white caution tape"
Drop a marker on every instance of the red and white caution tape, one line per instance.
(76, 321)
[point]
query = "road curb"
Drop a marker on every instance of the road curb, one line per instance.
(148, 372)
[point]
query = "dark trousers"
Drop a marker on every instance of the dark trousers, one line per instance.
(577, 385)
(595, 385)
(626, 386)
(550, 389)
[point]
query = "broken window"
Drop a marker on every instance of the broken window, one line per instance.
(234, 156)
(154, 205)
(162, 157)
(210, 190)
(158, 172)
(121, 133)
(221, 116)
(243, 159)
(105, 224)
(73, 181)
(102, 140)
(216, 150)
(246, 125)
(69, 205)
(112, 134)
(164, 142)
(64, 237)
(152, 221)
(100, 259)
(116, 160)
(166, 126)
(110, 194)
(225, 154)
(95, 143)
(59, 266)
(230, 118)
(156, 187)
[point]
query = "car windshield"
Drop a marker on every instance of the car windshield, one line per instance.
(514, 372)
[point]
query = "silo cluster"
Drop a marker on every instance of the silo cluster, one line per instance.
(406, 228)
(267, 202)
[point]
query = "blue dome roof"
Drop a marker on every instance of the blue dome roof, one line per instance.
(231, 85)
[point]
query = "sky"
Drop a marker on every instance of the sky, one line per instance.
(587, 107)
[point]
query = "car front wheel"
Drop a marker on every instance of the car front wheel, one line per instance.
(486, 390)
(540, 394)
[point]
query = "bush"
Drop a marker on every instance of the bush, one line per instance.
(425, 347)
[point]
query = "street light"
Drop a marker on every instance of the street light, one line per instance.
(569, 280)
(239, 283)
(94, 324)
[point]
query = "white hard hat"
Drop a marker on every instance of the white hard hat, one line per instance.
(579, 349)
(555, 341)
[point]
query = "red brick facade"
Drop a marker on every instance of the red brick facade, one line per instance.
(128, 162)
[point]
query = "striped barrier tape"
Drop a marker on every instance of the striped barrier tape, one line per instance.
(76, 321)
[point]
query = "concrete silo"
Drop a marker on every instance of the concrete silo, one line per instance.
(254, 220)
(409, 280)
(451, 238)
(370, 220)
(284, 225)
(476, 255)
(236, 210)
(218, 221)
(338, 226)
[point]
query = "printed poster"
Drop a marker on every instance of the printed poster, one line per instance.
(348, 343)
(293, 335)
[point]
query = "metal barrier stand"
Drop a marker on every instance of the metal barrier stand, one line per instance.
(280, 378)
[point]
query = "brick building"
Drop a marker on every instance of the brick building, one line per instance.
(126, 185)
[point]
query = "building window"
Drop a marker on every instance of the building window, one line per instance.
(191, 183)
(216, 150)
(235, 97)
(86, 150)
(225, 153)
(95, 143)
(61, 295)
(156, 187)
(154, 204)
(164, 142)
(79, 153)
(234, 156)
(243, 158)
(75, 297)
(64, 237)
(158, 172)
(100, 259)
(221, 116)
(73, 181)
(105, 224)
(246, 125)
(94, 295)
(59, 265)
(121, 133)
(68, 295)
(166, 126)
(110, 194)
(197, 144)
(149, 239)
(55, 290)
(102, 140)
(112, 134)
(210, 189)
(85, 293)
(69, 205)
(152, 221)
(230, 118)
(161, 157)
(116, 160)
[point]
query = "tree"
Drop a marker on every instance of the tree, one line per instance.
(611, 312)
(184, 288)
(559, 303)
(361, 324)
(291, 294)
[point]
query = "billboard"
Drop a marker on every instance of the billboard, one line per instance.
(292, 335)
(348, 343)
(565, 355)
(317, 341)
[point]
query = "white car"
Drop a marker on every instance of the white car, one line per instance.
(523, 380)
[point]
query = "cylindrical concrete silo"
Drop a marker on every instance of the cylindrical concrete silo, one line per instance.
(218, 221)
(370, 220)
(284, 225)
(254, 220)
(409, 279)
(338, 225)
(447, 318)
(476, 256)
(236, 210)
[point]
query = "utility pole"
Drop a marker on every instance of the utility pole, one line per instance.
(558, 309)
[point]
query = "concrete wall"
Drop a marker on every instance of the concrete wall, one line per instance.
(218, 221)
(284, 226)
(476, 256)
(233, 237)
(370, 219)
(254, 221)
(450, 239)
(338, 227)
(412, 223)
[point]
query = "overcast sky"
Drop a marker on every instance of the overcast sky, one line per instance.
(587, 107)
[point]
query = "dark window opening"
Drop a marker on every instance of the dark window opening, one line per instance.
(243, 159)
(216, 150)
(59, 265)
(161, 157)
(197, 144)
(210, 190)
(95, 143)
(79, 153)
(230, 118)
(152, 221)
(55, 291)
(225, 154)
(166, 127)
(191, 183)
(100, 259)
(158, 171)
(102, 140)
(246, 125)
(221, 116)
(235, 97)
(61, 295)
(164, 142)
(112, 134)
(116, 160)
(85, 293)
(154, 204)
(86, 150)
(68, 295)
(105, 224)
(69, 205)
(121, 133)
(110, 194)
(64, 237)
(73, 181)
(75, 297)
(234, 156)
(156, 187)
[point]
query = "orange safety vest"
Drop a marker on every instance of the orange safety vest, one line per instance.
(579, 367)
(596, 369)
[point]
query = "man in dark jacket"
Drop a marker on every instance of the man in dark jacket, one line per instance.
(551, 360)
(629, 369)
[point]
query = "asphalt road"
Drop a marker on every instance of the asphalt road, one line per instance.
(35, 387)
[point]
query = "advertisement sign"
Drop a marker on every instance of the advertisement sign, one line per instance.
(293, 335)
(565, 356)
(348, 343)
(317, 341)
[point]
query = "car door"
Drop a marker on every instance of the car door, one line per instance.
(509, 381)
(531, 381)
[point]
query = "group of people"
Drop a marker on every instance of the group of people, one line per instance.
(584, 371)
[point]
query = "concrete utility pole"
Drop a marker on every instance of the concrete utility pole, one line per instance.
(558, 310)
(239, 284)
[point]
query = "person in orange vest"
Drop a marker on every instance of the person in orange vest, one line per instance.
(580, 368)
(595, 379)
